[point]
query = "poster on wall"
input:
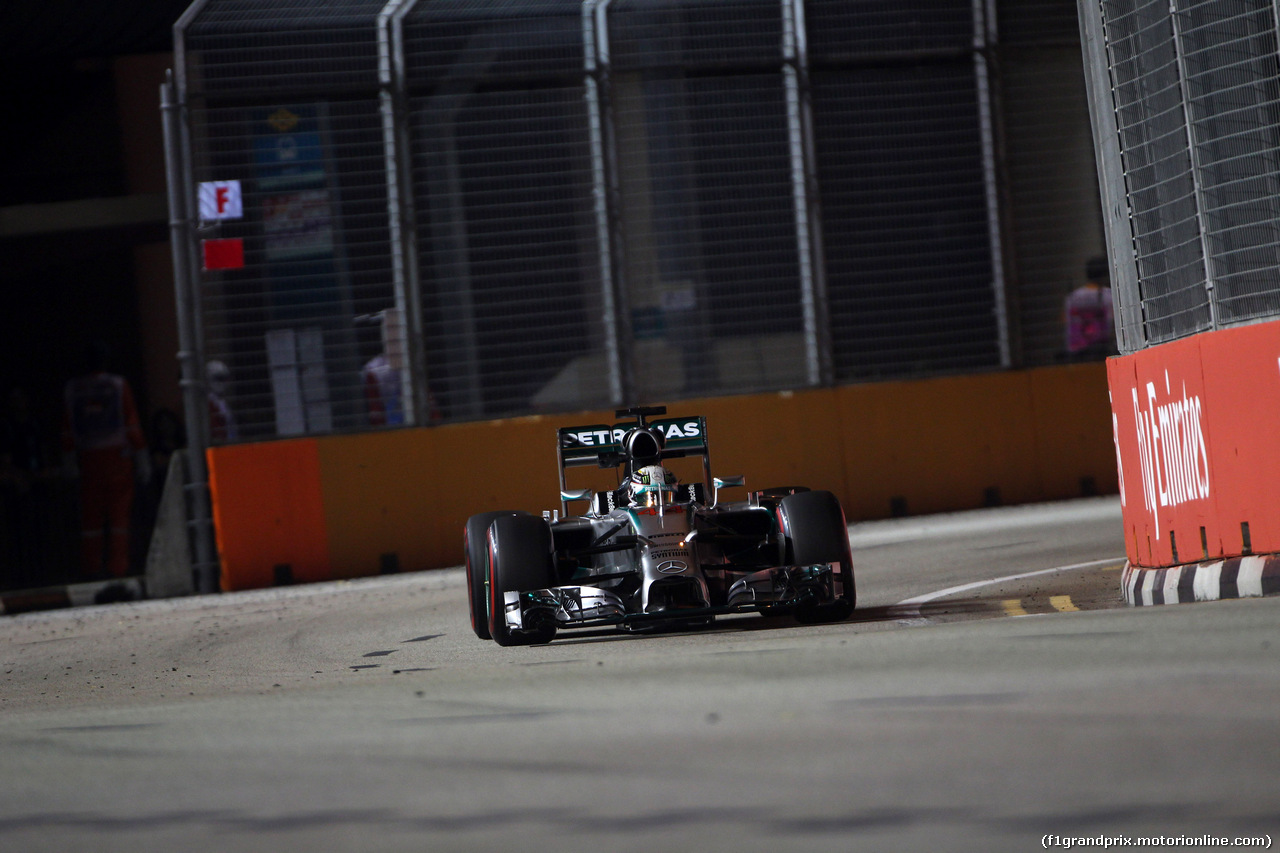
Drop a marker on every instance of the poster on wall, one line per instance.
(297, 225)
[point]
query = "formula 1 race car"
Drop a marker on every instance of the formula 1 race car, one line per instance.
(654, 553)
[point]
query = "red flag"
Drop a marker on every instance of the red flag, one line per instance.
(224, 254)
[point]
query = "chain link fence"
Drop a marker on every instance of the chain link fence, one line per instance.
(1192, 90)
(455, 210)
(284, 99)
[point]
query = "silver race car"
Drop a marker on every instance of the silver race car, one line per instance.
(654, 553)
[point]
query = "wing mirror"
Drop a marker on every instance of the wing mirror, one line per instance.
(567, 495)
(725, 483)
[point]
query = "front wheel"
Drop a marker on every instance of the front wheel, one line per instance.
(816, 532)
(519, 560)
(475, 544)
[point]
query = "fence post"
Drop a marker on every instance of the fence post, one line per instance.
(594, 44)
(984, 39)
(804, 188)
(401, 222)
(1131, 332)
(608, 187)
(1196, 170)
(194, 394)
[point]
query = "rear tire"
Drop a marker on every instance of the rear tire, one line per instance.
(475, 544)
(816, 532)
(519, 559)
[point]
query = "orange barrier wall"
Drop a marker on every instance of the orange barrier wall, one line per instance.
(1194, 427)
(268, 511)
(348, 506)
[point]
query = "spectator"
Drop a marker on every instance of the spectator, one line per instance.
(222, 422)
(384, 375)
(382, 392)
(105, 448)
(1090, 327)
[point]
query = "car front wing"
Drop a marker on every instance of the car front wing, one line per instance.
(766, 590)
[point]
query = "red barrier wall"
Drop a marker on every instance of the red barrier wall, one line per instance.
(1194, 423)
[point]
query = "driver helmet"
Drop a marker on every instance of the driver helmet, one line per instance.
(652, 486)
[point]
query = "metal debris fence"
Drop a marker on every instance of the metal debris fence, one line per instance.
(1186, 105)
(454, 210)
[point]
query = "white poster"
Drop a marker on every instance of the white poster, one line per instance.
(299, 381)
(282, 356)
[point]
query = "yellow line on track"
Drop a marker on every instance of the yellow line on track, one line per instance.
(1013, 607)
(1063, 603)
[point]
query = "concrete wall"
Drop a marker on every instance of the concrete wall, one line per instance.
(1194, 422)
(348, 506)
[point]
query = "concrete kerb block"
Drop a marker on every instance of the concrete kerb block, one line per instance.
(1237, 577)
(73, 595)
(169, 569)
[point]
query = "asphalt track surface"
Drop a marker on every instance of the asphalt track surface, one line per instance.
(991, 689)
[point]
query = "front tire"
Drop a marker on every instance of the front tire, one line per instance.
(519, 559)
(816, 532)
(475, 544)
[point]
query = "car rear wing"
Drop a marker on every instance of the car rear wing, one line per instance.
(600, 445)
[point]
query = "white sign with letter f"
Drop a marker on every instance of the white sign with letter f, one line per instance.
(220, 200)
